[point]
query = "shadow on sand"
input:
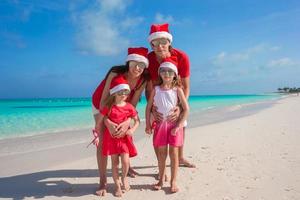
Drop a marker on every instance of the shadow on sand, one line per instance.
(47, 183)
(55, 183)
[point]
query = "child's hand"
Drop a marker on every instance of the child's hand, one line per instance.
(148, 130)
(175, 130)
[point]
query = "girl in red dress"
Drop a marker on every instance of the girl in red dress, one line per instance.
(118, 110)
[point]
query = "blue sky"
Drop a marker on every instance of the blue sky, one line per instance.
(64, 48)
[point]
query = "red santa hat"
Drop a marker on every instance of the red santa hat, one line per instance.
(118, 83)
(171, 63)
(138, 54)
(159, 31)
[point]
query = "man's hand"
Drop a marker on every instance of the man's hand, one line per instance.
(158, 117)
(174, 114)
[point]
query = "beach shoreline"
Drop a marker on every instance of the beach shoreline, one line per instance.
(39, 142)
(229, 152)
(19, 150)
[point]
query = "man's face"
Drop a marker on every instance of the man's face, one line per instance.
(160, 47)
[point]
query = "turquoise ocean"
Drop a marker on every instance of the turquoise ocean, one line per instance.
(25, 117)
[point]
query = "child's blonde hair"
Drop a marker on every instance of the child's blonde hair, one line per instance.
(109, 101)
(176, 82)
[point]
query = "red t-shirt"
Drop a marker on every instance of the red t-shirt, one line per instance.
(183, 64)
(96, 98)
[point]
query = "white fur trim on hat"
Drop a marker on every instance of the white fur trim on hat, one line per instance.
(170, 66)
(138, 58)
(161, 34)
(118, 88)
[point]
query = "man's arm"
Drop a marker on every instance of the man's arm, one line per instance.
(186, 86)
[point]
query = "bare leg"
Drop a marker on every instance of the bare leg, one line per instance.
(102, 166)
(162, 153)
(125, 168)
(115, 174)
(182, 161)
(173, 152)
(166, 179)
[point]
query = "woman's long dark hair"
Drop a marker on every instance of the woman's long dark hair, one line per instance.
(122, 69)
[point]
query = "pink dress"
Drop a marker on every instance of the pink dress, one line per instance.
(165, 101)
(125, 144)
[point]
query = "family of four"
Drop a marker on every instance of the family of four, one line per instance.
(164, 73)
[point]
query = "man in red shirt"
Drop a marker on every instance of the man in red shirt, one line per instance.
(160, 40)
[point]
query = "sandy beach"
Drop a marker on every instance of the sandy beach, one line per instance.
(245, 152)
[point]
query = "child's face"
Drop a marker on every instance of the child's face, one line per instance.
(122, 95)
(167, 74)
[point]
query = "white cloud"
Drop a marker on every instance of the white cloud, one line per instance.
(275, 48)
(225, 58)
(110, 6)
(282, 62)
(131, 22)
(101, 28)
(160, 18)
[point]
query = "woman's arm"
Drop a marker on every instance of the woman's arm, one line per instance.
(105, 92)
(137, 95)
(131, 130)
(99, 123)
(186, 87)
(148, 112)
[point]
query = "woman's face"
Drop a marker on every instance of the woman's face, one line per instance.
(161, 47)
(136, 68)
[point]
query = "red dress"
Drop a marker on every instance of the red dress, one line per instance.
(112, 145)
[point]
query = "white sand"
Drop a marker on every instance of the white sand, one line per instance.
(252, 157)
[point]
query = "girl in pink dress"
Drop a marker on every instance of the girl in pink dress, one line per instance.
(165, 96)
(118, 110)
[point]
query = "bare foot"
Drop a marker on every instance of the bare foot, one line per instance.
(132, 173)
(158, 186)
(118, 192)
(126, 185)
(101, 191)
(174, 188)
(185, 163)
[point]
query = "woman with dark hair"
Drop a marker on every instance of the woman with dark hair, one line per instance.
(135, 72)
